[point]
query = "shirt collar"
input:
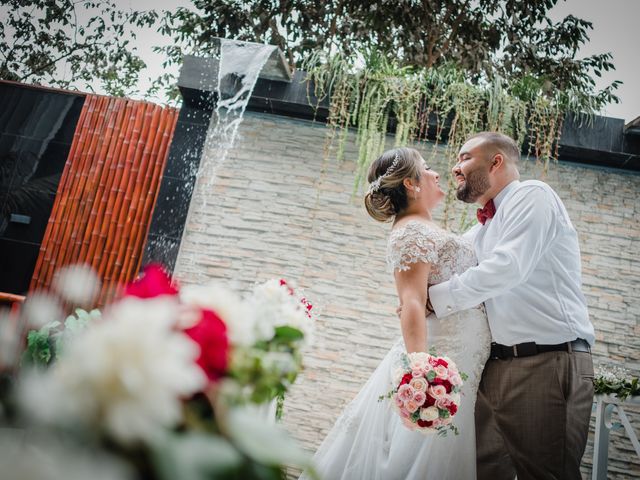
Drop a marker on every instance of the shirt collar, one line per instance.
(497, 200)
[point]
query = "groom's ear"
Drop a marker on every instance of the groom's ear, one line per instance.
(496, 162)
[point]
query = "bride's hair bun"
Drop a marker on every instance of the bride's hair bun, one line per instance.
(390, 198)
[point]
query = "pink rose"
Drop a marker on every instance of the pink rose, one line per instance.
(398, 401)
(443, 402)
(405, 392)
(455, 380)
(419, 397)
(419, 384)
(417, 373)
(441, 371)
(411, 405)
(437, 391)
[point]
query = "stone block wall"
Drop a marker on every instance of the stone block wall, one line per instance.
(279, 208)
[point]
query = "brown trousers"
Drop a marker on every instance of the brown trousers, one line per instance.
(532, 416)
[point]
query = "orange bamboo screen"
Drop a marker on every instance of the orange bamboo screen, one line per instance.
(107, 192)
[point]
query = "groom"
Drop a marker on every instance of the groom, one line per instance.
(535, 396)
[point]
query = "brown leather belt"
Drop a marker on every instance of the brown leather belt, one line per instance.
(528, 349)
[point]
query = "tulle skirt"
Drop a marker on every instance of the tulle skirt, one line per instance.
(369, 442)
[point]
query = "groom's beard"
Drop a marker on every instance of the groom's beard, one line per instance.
(475, 184)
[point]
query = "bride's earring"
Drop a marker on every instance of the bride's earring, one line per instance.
(415, 193)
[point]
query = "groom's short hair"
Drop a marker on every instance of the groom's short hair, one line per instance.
(501, 142)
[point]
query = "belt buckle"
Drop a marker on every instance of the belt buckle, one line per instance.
(525, 349)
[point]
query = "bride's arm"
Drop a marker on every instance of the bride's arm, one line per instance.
(412, 291)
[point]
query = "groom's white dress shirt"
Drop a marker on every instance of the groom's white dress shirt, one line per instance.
(528, 273)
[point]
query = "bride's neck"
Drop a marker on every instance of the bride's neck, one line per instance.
(415, 212)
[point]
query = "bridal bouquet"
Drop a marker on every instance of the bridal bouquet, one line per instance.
(427, 395)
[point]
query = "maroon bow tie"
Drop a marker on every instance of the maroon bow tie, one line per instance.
(488, 211)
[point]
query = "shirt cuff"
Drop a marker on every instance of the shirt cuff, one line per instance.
(442, 300)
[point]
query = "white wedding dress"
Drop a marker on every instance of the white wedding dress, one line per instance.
(368, 441)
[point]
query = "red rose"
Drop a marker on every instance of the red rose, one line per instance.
(424, 423)
(153, 283)
(406, 378)
(453, 408)
(210, 333)
(429, 402)
(442, 362)
(445, 383)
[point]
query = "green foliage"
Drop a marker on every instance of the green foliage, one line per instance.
(368, 91)
(611, 380)
(71, 44)
(506, 38)
(267, 369)
(46, 344)
(40, 345)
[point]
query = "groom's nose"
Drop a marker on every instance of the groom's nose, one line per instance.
(456, 169)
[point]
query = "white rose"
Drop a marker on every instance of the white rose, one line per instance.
(418, 360)
(429, 414)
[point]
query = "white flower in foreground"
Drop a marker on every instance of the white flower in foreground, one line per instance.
(78, 284)
(125, 374)
(274, 306)
(228, 305)
(36, 457)
(41, 308)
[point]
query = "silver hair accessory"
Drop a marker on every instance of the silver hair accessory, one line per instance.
(375, 185)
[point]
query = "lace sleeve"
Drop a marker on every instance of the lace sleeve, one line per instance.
(412, 243)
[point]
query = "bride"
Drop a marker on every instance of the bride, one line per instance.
(369, 441)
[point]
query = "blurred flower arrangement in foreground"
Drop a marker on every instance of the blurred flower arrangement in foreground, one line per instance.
(159, 384)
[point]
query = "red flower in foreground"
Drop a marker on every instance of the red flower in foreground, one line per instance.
(453, 408)
(210, 333)
(424, 423)
(153, 283)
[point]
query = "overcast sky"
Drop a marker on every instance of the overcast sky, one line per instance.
(614, 27)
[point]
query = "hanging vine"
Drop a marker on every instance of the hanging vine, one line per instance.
(370, 93)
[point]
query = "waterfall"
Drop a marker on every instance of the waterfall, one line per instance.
(239, 66)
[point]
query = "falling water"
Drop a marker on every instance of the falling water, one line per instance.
(238, 70)
(239, 66)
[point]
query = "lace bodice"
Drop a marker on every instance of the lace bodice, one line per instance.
(465, 335)
(416, 241)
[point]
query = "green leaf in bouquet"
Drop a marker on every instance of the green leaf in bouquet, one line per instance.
(443, 413)
(263, 442)
(431, 375)
(288, 334)
(405, 362)
(196, 456)
(39, 346)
